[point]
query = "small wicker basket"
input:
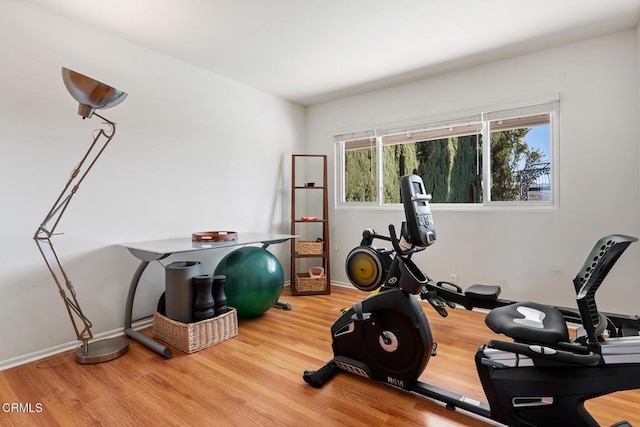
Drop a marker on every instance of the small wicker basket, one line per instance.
(309, 247)
(191, 337)
(307, 284)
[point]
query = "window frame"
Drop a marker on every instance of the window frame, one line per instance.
(550, 105)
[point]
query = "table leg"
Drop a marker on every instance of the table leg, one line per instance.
(280, 304)
(142, 339)
(283, 305)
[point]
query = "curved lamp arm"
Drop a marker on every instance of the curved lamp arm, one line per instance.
(91, 95)
(46, 230)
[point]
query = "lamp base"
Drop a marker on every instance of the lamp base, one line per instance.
(103, 350)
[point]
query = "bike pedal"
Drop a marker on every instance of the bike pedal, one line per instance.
(434, 349)
(438, 305)
(442, 311)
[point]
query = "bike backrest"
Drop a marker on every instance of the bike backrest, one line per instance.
(603, 256)
(418, 228)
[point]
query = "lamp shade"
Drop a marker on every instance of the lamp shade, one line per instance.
(90, 94)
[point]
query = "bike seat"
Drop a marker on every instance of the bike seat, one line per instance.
(529, 322)
(488, 292)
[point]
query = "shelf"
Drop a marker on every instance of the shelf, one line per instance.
(322, 255)
(302, 283)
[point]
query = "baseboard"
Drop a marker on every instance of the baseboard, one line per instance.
(71, 345)
(139, 324)
(342, 284)
(428, 306)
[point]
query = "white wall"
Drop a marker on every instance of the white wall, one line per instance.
(193, 151)
(532, 255)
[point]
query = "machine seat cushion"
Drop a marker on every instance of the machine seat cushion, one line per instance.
(529, 322)
(488, 292)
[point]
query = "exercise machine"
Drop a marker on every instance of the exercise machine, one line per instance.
(540, 377)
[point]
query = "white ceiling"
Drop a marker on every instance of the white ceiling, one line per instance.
(309, 51)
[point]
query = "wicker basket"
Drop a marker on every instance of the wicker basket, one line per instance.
(307, 284)
(191, 337)
(309, 247)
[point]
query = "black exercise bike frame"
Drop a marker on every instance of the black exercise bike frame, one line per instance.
(550, 390)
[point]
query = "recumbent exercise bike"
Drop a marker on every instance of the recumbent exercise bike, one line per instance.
(541, 378)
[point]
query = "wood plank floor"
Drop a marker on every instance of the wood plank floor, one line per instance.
(256, 379)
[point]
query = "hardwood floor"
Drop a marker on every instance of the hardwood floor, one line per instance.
(256, 379)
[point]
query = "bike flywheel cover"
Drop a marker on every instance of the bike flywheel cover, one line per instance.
(364, 268)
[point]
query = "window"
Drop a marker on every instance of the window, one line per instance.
(447, 157)
(502, 157)
(520, 154)
(360, 171)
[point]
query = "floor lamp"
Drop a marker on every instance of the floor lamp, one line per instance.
(91, 95)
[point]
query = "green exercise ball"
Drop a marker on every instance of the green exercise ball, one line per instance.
(254, 280)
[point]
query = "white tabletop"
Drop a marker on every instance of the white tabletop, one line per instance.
(157, 249)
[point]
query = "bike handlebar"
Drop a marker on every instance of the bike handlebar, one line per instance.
(546, 352)
(396, 244)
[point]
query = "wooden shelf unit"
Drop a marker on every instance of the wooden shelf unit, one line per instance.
(301, 281)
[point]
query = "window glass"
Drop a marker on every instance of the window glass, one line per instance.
(520, 161)
(360, 170)
(451, 168)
